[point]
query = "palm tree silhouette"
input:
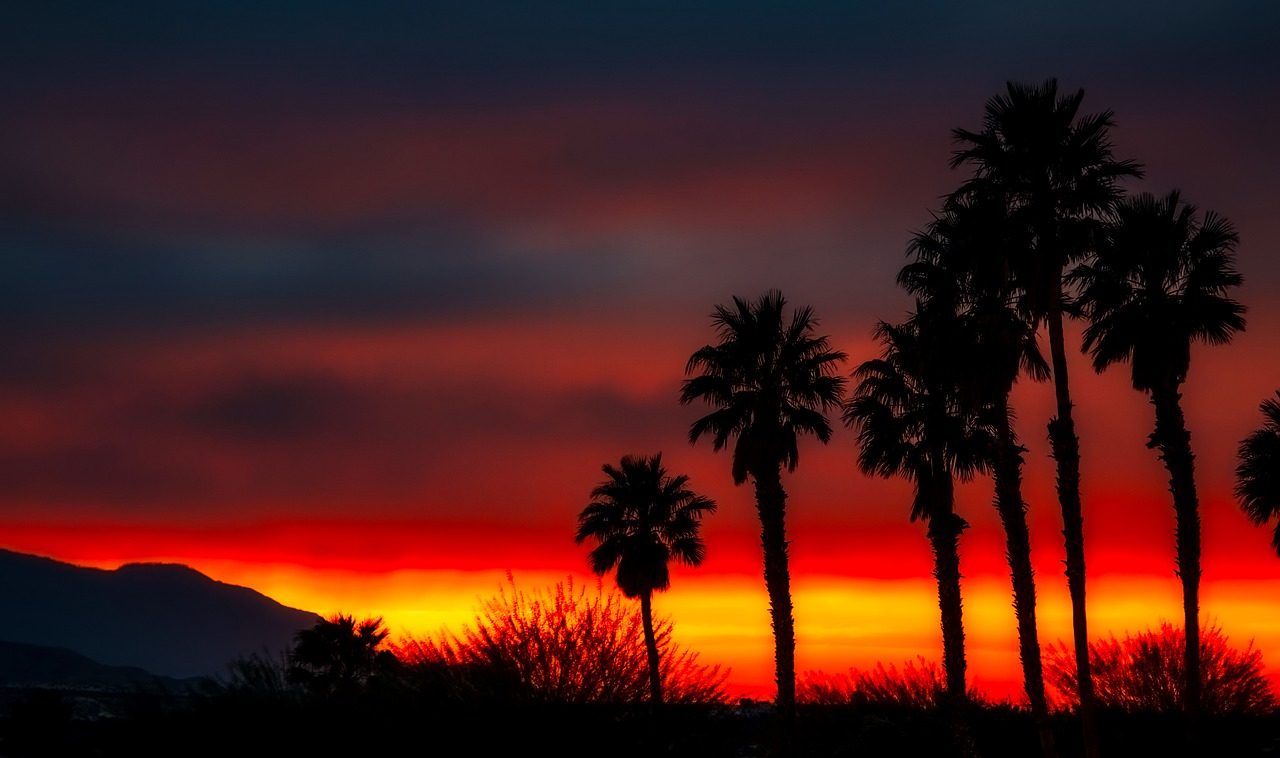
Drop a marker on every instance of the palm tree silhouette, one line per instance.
(642, 518)
(1156, 285)
(911, 423)
(959, 269)
(770, 380)
(1258, 475)
(338, 655)
(1056, 170)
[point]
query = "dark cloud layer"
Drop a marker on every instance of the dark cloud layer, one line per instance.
(95, 283)
(520, 40)
(178, 180)
(297, 439)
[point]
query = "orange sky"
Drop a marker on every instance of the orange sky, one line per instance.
(353, 311)
(862, 587)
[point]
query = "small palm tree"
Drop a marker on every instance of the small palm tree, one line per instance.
(1258, 475)
(642, 519)
(911, 423)
(1158, 284)
(771, 380)
(339, 655)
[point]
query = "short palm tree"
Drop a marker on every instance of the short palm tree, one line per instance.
(1258, 475)
(641, 519)
(1056, 170)
(1158, 284)
(771, 380)
(339, 655)
(911, 423)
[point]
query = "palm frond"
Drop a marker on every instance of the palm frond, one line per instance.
(1158, 283)
(911, 421)
(1258, 473)
(640, 518)
(770, 379)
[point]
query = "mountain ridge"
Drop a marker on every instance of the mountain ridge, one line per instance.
(166, 618)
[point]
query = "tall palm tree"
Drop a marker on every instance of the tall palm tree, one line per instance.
(911, 423)
(771, 380)
(642, 519)
(1058, 173)
(959, 268)
(1157, 284)
(1258, 475)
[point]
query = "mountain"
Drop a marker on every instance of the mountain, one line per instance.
(168, 619)
(23, 666)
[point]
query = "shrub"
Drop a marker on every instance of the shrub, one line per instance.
(259, 675)
(1145, 672)
(916, 685)
(560, 645)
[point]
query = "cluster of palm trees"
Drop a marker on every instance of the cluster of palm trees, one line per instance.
(1041, 229)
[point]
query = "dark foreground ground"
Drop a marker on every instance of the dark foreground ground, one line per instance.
(48, 723)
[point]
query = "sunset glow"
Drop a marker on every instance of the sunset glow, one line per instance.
(842, 621)
(351, 310)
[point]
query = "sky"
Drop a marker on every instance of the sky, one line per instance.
(349, 302)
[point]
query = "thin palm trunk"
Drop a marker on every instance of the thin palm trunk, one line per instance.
(1174, 441)
(944, 538)
(651, 645)
(1013, 517)
(945, 528)
(1066, 453)
(771, 501)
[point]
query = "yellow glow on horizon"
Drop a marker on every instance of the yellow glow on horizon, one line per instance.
(841, 622)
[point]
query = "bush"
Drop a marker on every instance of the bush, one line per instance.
(259, 675)
(1145, 672)
(917, 685)
(560, 645)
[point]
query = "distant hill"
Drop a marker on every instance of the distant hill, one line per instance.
(168, 619)
(36, 666)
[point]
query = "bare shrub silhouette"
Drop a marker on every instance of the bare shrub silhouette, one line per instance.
(918, 684)
(260, 675)
(1145, 672)
(561, 644)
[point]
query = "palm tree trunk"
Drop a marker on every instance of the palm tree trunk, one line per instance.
(771, 501)
(1066, 452)
(1174, 441)
(944, 537)
(1013, 517)
(945, 528)
(651, 645)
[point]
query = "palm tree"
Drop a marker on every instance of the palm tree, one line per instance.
(1056, 170)
(959, 269)
(339, 655)
(1157, 284)
(642, 518)
(770, 380)
(911, 423)
(1258, 475)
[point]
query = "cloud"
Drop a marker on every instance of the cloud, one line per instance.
(176, 431)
